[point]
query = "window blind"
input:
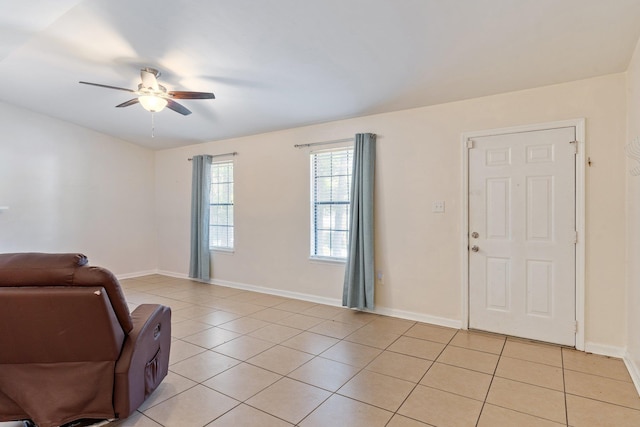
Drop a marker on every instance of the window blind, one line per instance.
(221, 205)
(331, 187)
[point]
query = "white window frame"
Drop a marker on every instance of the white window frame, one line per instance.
(232, 204)
(312, 220)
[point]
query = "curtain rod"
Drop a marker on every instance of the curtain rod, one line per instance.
(334, 141)
(217, 155)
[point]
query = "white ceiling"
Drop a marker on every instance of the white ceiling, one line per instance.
(276, 64)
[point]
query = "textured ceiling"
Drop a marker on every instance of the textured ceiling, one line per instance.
(276, 64)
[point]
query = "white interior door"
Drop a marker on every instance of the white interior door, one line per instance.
(522, 234)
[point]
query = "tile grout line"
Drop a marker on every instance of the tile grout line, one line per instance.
(340, 317)
(282, 376)
(364, 368)
(564, 389)
(423, 375)
(333, 393)
(484, 402)
(344, 339)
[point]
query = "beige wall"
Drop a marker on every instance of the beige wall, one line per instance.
(419, 160)
(70, 189)
(633, 220)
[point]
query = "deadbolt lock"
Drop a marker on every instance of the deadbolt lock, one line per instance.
(475, 235)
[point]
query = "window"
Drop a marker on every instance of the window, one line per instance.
(221, 206)
(330, 195)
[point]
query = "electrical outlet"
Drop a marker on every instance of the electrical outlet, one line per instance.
(437, 206)
(380, 277)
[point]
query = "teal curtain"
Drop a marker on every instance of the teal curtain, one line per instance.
(359, 277)
(199, 265)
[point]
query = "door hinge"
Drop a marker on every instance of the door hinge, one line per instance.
(575, 327)
(469, 143)
(574, 144)
(575, 237)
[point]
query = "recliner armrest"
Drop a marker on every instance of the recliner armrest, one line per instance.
(144, 360)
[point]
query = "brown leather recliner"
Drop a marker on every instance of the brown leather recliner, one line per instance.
(69, 348)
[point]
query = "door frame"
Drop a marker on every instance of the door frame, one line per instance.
(579, 125)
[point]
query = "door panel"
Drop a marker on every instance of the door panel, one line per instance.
(539, 288)
(498, 208)
(522, 205)
(539, 208)
(498, 284)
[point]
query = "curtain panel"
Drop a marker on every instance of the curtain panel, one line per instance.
(359, 279)
(200, 261)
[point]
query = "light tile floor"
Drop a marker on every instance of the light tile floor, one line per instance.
(242, 358)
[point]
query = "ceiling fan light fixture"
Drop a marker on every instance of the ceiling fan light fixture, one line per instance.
(153, 96)
(152, 103)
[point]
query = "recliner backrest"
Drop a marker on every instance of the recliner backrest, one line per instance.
(58, 324)
(39, 269)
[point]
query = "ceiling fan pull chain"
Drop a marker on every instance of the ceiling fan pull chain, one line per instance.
(153, 126)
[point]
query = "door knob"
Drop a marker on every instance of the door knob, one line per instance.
(475, 248)
(475, 235)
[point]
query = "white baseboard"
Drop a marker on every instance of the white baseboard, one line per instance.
(172, 274)
(419, 317)
(634, 370)
(385, 311)
(590, 347)
(261, 289)
(136, 274)
(605, 350)
(278, 292)
(619, 352)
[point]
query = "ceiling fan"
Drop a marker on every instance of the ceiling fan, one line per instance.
(154, 97)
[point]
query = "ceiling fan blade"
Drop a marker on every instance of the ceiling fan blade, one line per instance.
(127, 103)
(177, 107)
(149, 77)
(178, 94)
(107, 86)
